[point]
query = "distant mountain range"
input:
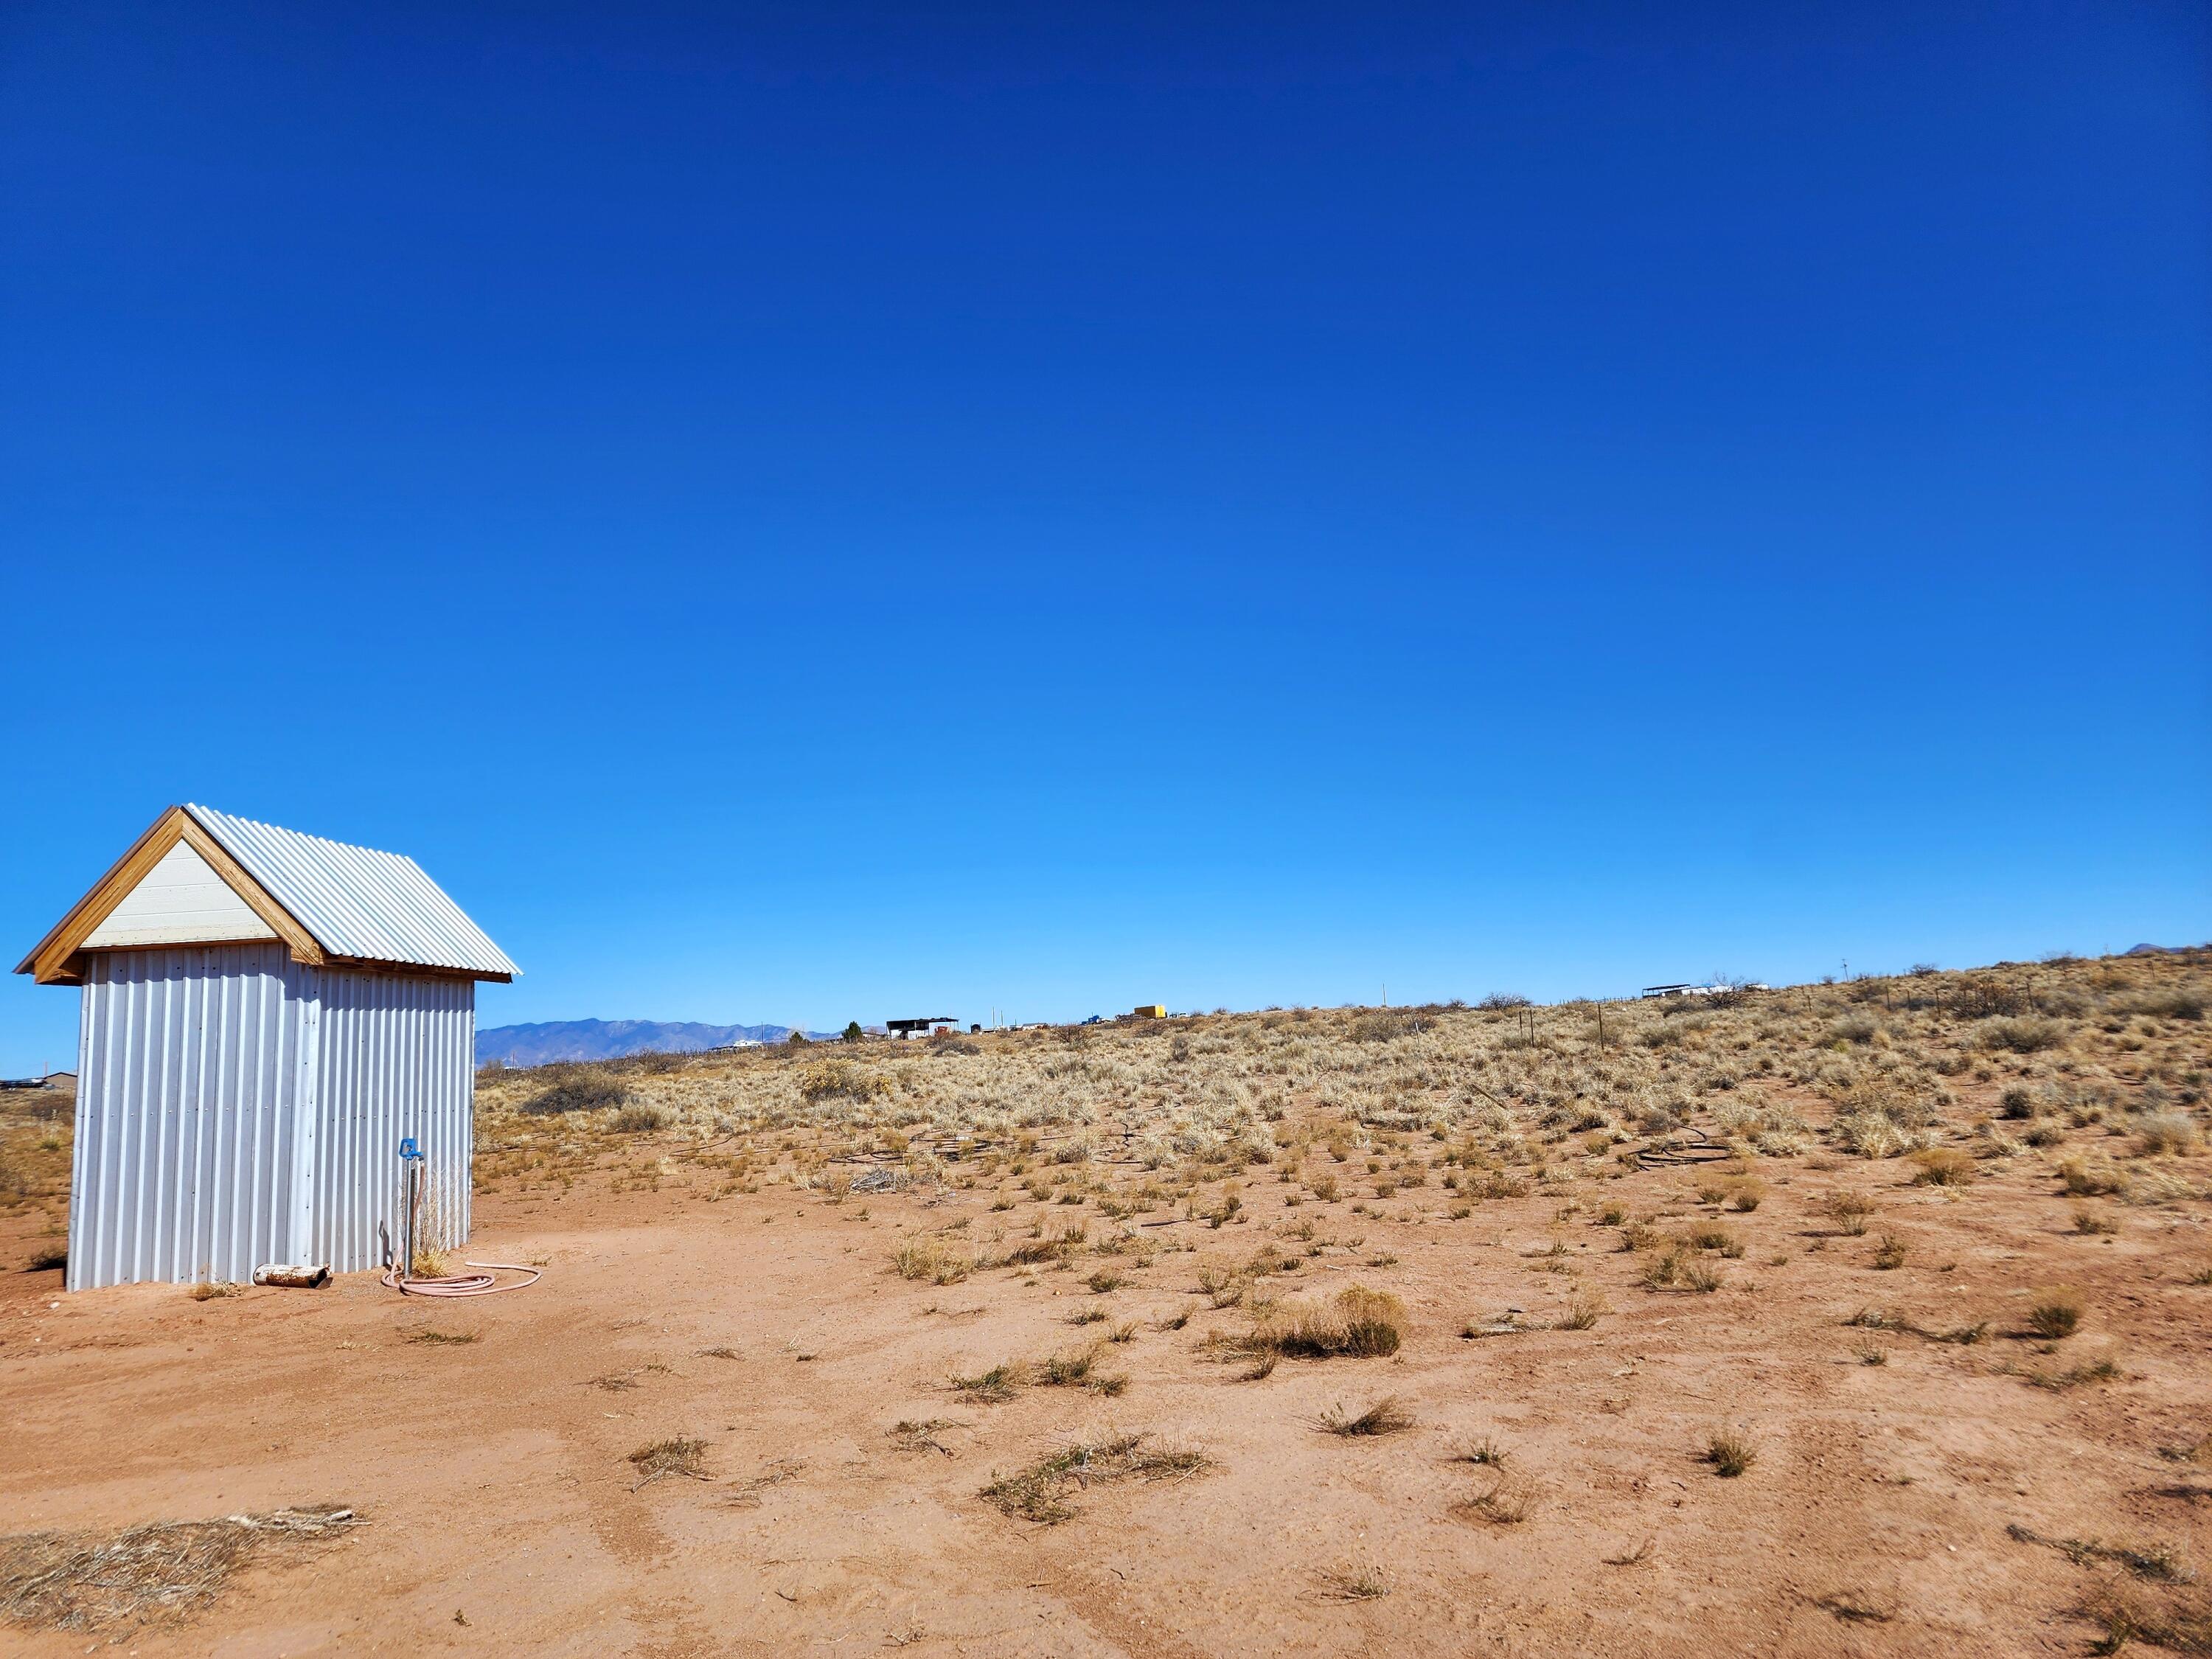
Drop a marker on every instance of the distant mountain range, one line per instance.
(608, 1039)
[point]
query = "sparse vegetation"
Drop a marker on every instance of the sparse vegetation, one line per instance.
(1359, 1322)
(91, 1582)
(1729, 1451)
(932, 1261)
(2055, 1315)
(1175, 1209)
(681, 1455)
(1041, 1492)
(1385, 1416)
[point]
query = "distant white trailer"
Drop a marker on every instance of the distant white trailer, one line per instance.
(266, 1016)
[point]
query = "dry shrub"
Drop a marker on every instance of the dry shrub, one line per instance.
(1039, 1493)
(1943, 1166)
(1077, 1370)
(840, 1079)
(1679, 1268)
(2056, 1314)
(639, 1118)
(78, 1581)
(931, 1260)
(2172, 1133)
(683, 1456)
(1729, 1451)
(1385, 1416)
(1743, 1193)
(2086, 1180)
(991, 1386)
(2022, 1036)
(577, 1089)
(1508, 1503)
(1357, 1321)
(2182, 1005)
(2178, 1619)
(1584, 1311)
(1849, 1211)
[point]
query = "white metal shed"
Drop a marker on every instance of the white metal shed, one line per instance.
(266, 1015)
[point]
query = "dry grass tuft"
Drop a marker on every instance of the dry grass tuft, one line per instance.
(1385, 1416)
(1039, 1493)
(1487, 1452)
(80, 1581)
(683, 1456)
(1729, 1451)
(576, 1089)
(922, 1435)
(1509, 1502)
(1077, 1370)
(1357, 1321)
(1849, 1211)
(2178, 1619)
(2056, 1314)
(1943, 1166)
(1358, 1584)
(932, 1261)
(1584, 1311)
(991, 1386)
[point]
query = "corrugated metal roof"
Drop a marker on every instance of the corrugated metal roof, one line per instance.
(358, 902)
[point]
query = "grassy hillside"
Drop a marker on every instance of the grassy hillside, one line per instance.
(2097, 1067)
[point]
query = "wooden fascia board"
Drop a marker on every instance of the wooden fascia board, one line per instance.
(87, 913)
(303, 944)
(55, 960)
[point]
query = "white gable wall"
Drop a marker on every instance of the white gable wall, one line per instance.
(181, 902)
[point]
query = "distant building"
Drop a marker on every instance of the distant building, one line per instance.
(931, 1023)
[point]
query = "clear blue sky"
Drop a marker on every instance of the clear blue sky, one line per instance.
(795, 513)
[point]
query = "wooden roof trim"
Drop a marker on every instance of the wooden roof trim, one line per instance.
(56, 959)
(304, 947)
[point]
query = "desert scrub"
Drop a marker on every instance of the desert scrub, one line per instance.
(1943, 1166)
(932, 1260)
(1848, 1212)
(839, 1080)
(576, 1089)
(2055, 1315)
(1357, 1321)
(1730, 1451)
(1040, 1493)
(1384, 1417)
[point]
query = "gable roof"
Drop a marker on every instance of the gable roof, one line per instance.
(330, 902)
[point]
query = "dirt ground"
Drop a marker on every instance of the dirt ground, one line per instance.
(1909, 1494)
(494, 1472)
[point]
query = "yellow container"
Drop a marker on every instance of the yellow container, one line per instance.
(1151, 1010)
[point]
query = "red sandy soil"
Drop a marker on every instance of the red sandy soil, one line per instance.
(494, 1476)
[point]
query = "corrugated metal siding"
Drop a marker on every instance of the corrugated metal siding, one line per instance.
(234, 1107)
(358, 902)
(188, 1085)
(398, 1059)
